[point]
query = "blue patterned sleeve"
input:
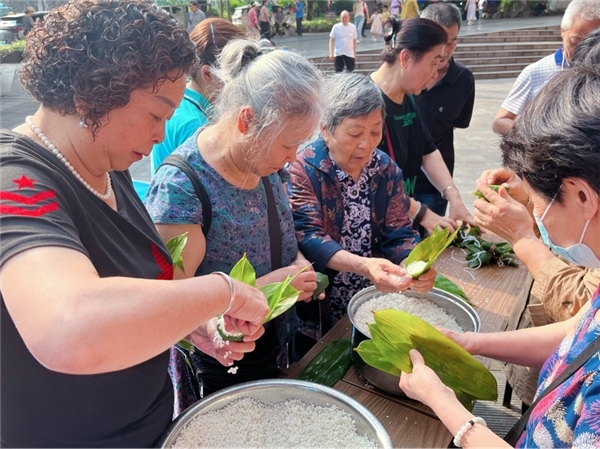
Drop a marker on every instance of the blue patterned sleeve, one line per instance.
(313, 240)
(171, 198)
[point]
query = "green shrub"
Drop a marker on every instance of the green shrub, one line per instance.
(15, 46)
(319, 25)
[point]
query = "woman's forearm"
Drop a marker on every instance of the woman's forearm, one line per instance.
(345, 261)
(436, 171)
(75, 322)
(527, 347)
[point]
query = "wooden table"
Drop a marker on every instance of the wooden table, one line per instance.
(494, 290)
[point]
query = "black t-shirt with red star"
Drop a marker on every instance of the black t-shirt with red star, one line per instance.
(43, 204)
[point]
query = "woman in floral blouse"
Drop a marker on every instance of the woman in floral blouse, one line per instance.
(348, 198)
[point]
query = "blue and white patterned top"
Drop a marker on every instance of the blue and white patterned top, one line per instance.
(355, 235)
(532, 79)
(569, 416)
(239, 217)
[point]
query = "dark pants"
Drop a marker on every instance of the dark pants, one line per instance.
(434, 202)
(299, 26)
(265, 29)
(342, 60)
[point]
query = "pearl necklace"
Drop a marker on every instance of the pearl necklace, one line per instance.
(64, 160)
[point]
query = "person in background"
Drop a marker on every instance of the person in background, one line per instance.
(358, 11)
(264, 21)
(554, 147)
(414, 48)
(410, 9)
(561, 285)
(385, 14)
(471, 8)
(86, 282)
(366, 11)
(395, 8)
(269, 104)
(299, 9)
(580, 18)
(28, 20)
(446, 103)
(347, 197)
(376, 25)
(481, 5)
(342, 43)
(195, 109)
(279, 22)
(195, 17)
(253, 26)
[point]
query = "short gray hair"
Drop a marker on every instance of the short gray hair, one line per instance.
(275, 83)
(580, 9)
(349, 95)
(445, 14)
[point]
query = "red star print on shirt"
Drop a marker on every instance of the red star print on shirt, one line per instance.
(23, 182)
(29, 206)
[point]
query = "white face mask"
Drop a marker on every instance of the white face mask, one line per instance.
(579, 253)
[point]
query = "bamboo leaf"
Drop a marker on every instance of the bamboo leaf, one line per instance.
(445, 284)
(370, 354)
(422, 256)
(244, 271)
(175, 247)
(322, 283)
(281, 296)
(457, 368)
(494, 187)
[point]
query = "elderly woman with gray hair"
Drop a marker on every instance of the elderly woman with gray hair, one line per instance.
(348, 199)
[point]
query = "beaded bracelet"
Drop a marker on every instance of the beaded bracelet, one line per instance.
(231, 289)
(464, 429)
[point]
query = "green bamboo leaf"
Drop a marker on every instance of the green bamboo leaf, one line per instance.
(422, 256)
(322, 283)
(494, 187)
(175, 247)
(244, 271)
(371, 355)
(281, 296)
(457, 368)
(445, 284)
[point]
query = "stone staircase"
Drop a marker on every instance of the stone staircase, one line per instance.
(502, 54)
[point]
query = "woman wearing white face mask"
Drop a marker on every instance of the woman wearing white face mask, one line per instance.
(555, 147)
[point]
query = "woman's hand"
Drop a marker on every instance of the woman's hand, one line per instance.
(386, 276)
(457, 210)
(430, 219)
(424, 283)
(226, 352)
(423, 384)
(248, 310)
(502, 215)
(507, 177)
(464, 340)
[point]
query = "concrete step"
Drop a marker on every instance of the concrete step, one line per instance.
(495, 75)
(511, 67)
(491, 39)
(533, 52)
(527, 59)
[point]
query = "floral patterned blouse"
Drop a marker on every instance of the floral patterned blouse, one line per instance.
(569, 416)
(324, 206)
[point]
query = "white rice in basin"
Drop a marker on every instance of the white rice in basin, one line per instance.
(249, 423)
(421, 307)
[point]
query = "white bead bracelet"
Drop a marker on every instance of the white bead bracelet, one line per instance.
(464, 429)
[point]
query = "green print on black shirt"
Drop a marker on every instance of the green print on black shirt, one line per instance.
(409, 185)
(406, 119)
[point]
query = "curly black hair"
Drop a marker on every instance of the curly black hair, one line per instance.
(89, 55)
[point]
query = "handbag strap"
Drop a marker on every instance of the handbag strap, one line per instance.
(513, 434)
(182, 164)
(274, 228)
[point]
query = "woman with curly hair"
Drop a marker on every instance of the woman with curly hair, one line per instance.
(87, 301)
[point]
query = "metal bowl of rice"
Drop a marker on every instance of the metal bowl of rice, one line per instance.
(276, 413)
(437, 307)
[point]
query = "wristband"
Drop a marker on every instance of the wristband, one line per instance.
(447, 188)
(420, 215)
(464, 429)
(231, 290)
